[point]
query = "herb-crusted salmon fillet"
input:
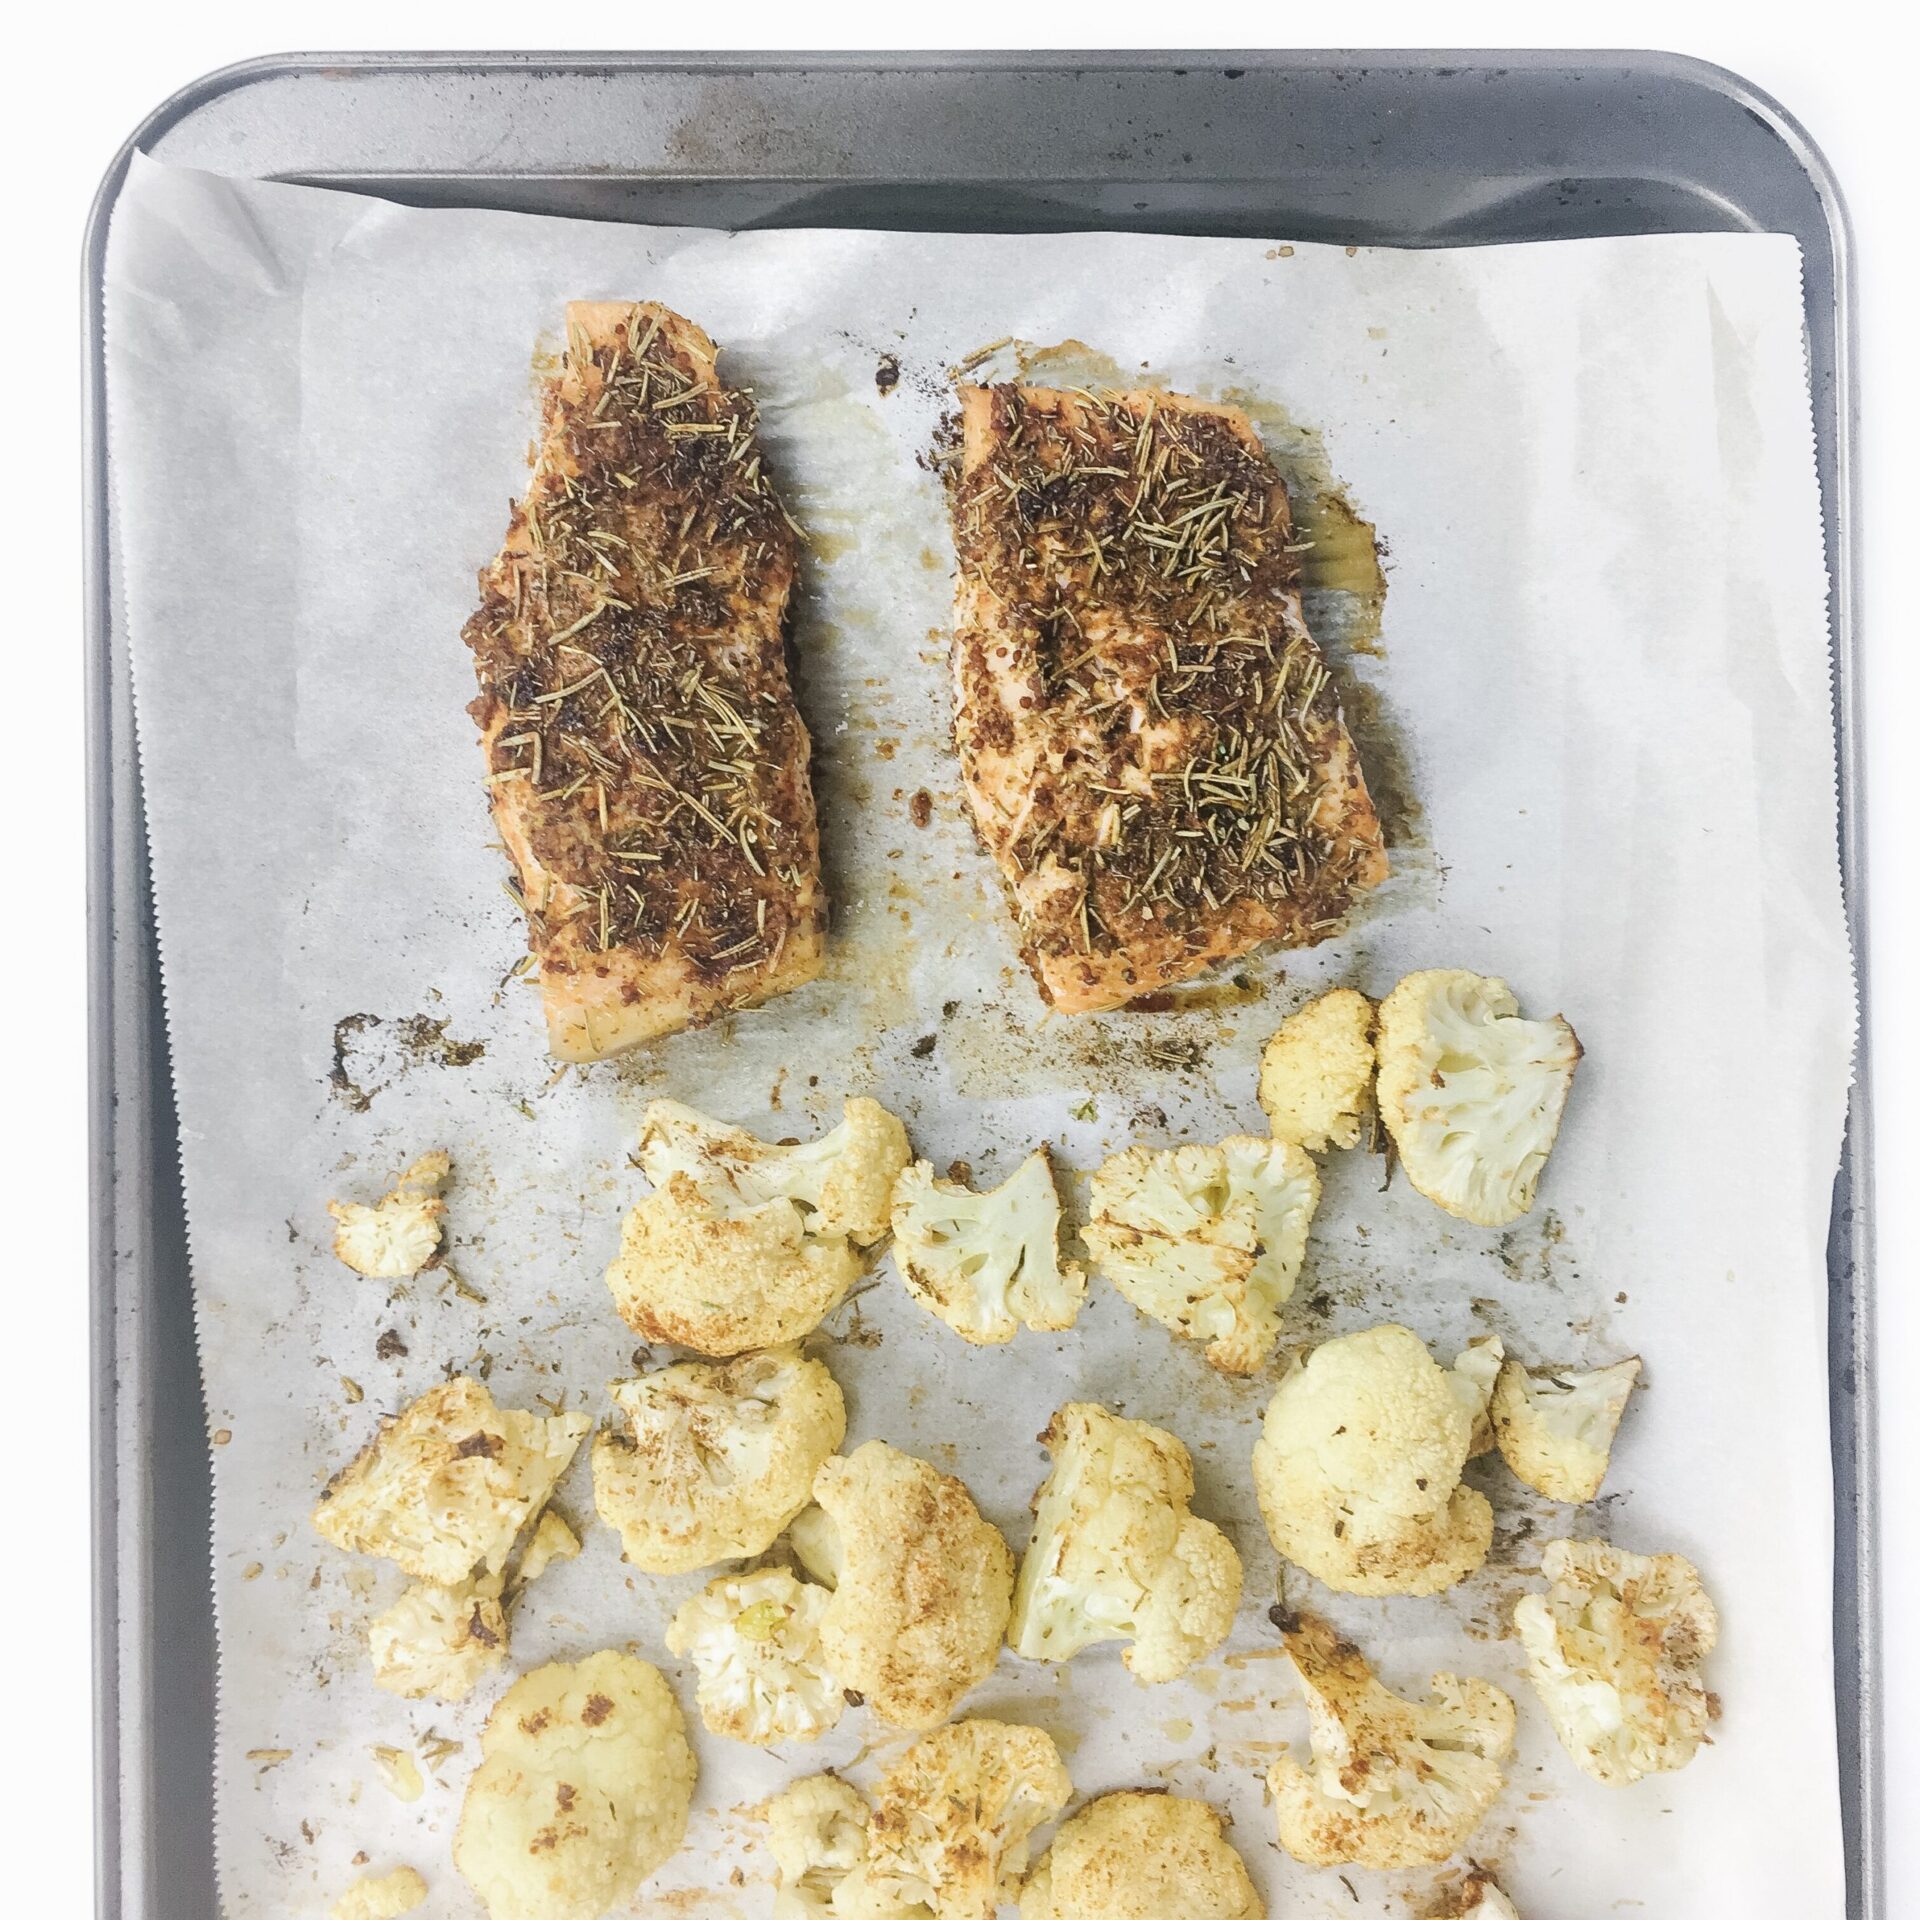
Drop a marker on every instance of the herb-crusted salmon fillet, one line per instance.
(1152, 749)
(646, 762)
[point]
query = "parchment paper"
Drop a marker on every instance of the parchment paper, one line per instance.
(1602, 672)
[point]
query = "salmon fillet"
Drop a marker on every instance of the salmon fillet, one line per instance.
(646, 763)
(1152, 750)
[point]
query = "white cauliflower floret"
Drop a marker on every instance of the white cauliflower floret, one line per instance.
(445, 1488)
(1316, 1075)
(986, 1262)
(1614, 1648)
(817, 1834)
(1117, 1555)
(951, 1823)
(1358, 1466)
(1207, 1240)
(755, 1639)
(1389, 1782)
(1475, 1374)
(1555, 1427)
(582, 1791)
(439, 1642)
(384, 1896)
(1141, 1856)
(552, 1540)
(399, 1234)
(923, 1589)
(717, 1458)
(1471, 1092)
(743, 1244)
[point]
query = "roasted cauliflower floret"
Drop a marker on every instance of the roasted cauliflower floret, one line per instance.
(1471, 1092)
(1389, 1782)
(384, 1896)
(742, 1244)
(986, 1263)
(1316, 1075)
(1614, 1648)
(398, 1235)
(951, 1823)
(1141, 1856)
(1479, 1899)
(817, 1834)
(552, 1540)
(439, 1642)
(1207, 1240)
(1358, 1464)
(923, 1589)
(1116, 1554)
(717, 1458)
(444, 1488)
(1475, 1374)
(1555, 1427)
(582, 1790)
(755, 1639)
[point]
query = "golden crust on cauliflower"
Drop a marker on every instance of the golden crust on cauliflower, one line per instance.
(1116, 1553)
(1316, 1075)
(1471, 1092)
(1358, 1465)
(1614, 1649)
(755, 1640)
(951, 1822)
(817, 1834)
(1208, 1240)
(1141, 1856)
(1555, 1427)
(923, 1588)
(987, 1263)
(439, 1642)
(582, 1791)
(384, 1896)
(1389, 1782)
(743, 1244)
(445, 1487)
(717, 1457)
(398, 1235)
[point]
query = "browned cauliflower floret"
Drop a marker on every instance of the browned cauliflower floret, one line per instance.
(1208, 1240)
(1141, 1856)
(445, 1488)
(1116, 1554)
(743, 1244)
(582, 1791)
(1358, 1465)
(1471, 1092)
(439, 1642)
(400, 1233)
(1614, 1649)
(1555, 1427)
(1389, 1782)
(1316, 1076)
(1477, 1898)
(755, 1639)
(923, 1587)
(384, 1896)
(951, 1823)
(986, 1263)
(717, 1457)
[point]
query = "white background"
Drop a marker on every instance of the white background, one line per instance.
(82, 78)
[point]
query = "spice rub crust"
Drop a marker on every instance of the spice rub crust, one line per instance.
(1152, 749)
(647, 766)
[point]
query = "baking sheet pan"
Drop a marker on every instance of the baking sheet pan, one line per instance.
(1399, 149)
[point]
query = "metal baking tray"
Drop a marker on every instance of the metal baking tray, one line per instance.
(1402, 149)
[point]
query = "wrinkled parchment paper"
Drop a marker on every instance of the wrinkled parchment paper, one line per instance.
(1599, 691)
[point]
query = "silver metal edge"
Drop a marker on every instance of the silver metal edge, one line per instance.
(1852, 1341)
